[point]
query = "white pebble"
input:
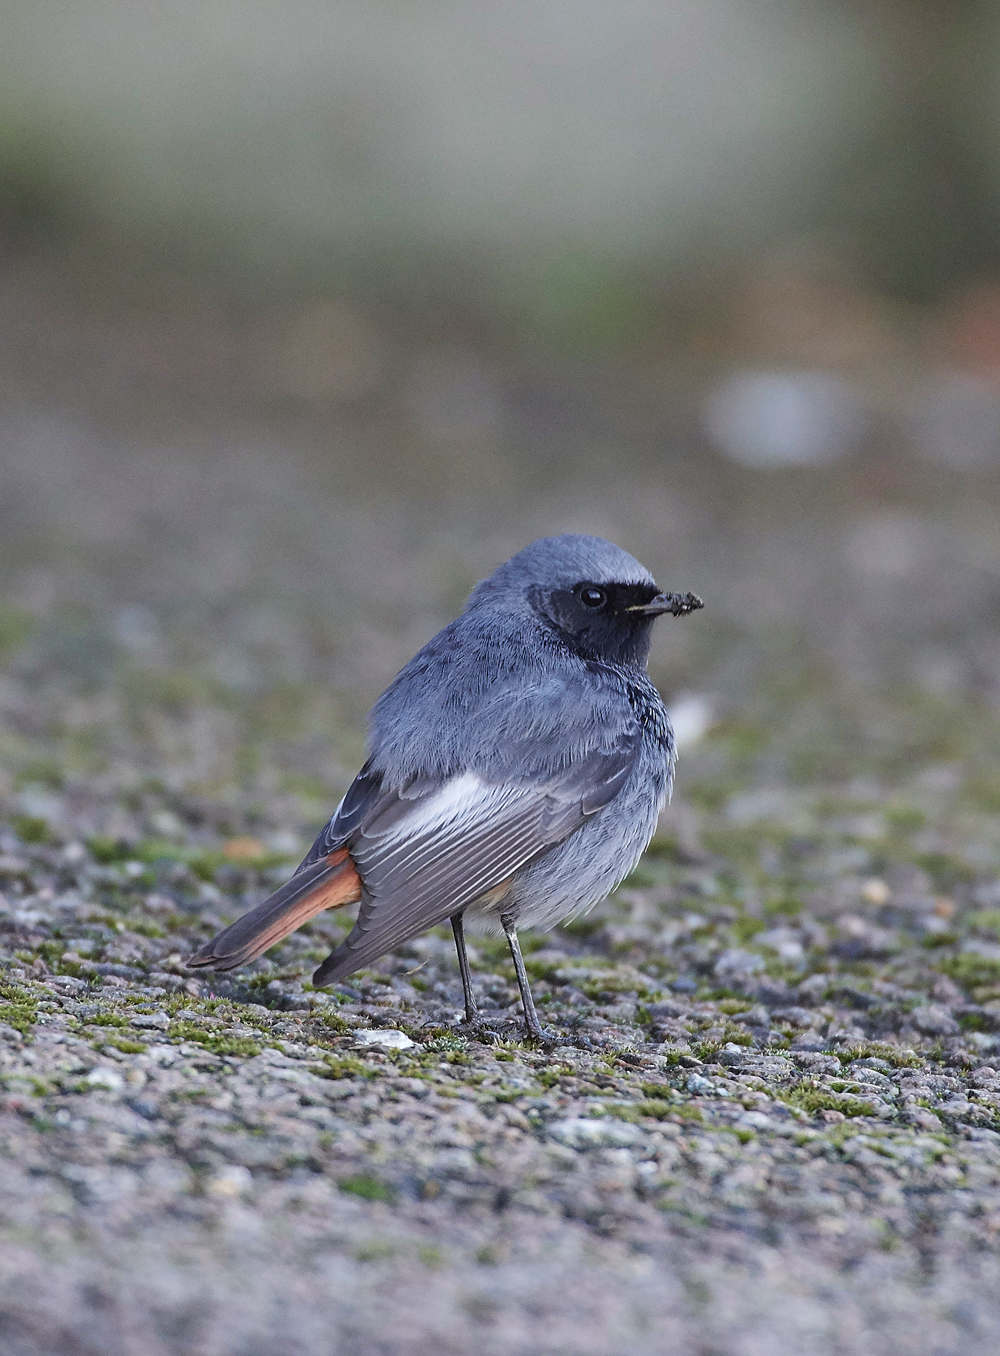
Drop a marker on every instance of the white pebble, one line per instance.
(390, 1039)
(106, 1079)
(230, 1182)
(580, 1132)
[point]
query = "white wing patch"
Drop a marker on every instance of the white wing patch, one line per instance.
(457, 799)
(419, 840)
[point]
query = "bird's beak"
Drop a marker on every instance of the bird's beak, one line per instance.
(678, 604)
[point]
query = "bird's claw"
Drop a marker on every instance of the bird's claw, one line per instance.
(545, 1037)
(479, 1026)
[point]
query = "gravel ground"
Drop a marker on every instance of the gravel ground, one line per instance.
(775, 1127)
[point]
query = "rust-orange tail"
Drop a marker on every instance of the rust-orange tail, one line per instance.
(329, 883)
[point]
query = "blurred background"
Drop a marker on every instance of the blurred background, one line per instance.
(314, 312)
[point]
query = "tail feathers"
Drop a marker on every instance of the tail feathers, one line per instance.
(340, 963)
(329, 883)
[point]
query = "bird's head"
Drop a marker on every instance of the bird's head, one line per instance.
(599, 598)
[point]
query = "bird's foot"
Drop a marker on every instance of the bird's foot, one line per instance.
(541, 1034)
(480, 1027)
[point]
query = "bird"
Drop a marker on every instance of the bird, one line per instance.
(517, 768)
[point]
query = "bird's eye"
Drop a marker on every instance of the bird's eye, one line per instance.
(591, 597)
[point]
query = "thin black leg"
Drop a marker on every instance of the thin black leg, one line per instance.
(534, 1027)
(458, 928)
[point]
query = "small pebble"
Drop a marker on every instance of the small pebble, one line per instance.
(389, 1038)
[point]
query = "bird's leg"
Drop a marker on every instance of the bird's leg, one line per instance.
(534, 1027)
(471, 1009)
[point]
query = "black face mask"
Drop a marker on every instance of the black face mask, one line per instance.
(601, 621)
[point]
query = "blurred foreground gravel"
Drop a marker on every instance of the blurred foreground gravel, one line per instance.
(777, 1129)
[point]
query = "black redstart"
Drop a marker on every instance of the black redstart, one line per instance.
(518, 766)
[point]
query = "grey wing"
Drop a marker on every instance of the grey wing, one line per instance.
(431, 850)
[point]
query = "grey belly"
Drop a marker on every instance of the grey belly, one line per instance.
(579, 873)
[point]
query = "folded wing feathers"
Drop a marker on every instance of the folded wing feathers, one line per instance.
(470, 842)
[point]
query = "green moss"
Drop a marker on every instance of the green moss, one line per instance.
(783, 906)
(202, 861)
(839, 1134)
(368, 1188)
(904, 820)
(983, 793)
(458, 1057)
(640, 879)
(814, 1100)
(343, 1066)
(18, 1008)
(892, 1054)
(108, 1019)
(544, 970)
(493, 951)
(776, 968)
(127, 1047)
(707, 1050)
(31, 829)
(655, 1107)
(28, 1083)
(214, 1043)
(444, 1042)
(657, 1090)
(946, 871)
(181, 922)
(612, 984)
(15, 628)
(665, 847)
(971, 971)
(745, 928)
(737, 1035)
(624, 1112)
(108, 851)
(935, 940)
(145, 929)
(548, 1078)
(708, 796)
(584, 926)
(743, 1133)
(50, 952)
